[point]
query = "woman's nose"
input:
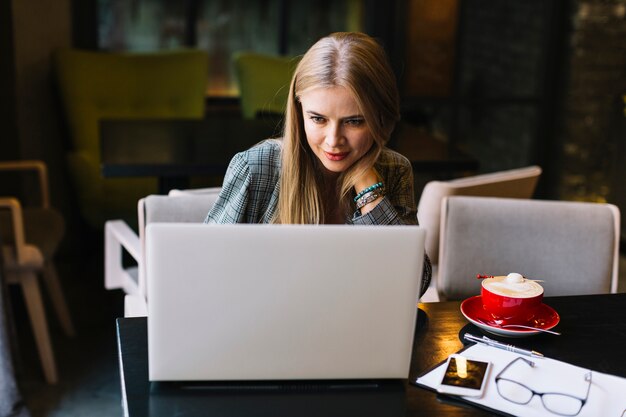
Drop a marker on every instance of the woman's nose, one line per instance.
(334, 135)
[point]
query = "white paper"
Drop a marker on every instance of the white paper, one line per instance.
(607, 396)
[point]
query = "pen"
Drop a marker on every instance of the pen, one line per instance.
(490, 342)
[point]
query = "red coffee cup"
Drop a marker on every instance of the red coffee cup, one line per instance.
(511, 298)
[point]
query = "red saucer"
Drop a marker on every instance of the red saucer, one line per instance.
(472, 308)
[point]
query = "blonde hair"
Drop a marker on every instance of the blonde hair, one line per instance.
(358, 63)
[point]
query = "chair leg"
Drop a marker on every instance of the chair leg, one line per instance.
(34, 305)
(51, 279)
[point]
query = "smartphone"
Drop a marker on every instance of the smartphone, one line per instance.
(464, 376)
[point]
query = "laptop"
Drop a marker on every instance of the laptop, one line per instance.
(281, 302)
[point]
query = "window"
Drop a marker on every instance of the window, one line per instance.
(221, 27)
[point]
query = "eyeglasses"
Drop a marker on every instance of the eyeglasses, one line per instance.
(555, 402)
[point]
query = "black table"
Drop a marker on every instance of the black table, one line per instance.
(594, 337)
(175, 149)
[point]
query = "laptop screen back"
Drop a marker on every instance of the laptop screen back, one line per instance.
(288, 302)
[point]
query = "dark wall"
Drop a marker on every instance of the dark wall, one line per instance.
(84, 24)
(595, 84)
(32, 123)
(9, 139)
(510, 59)
(593, 134)
(542, 81)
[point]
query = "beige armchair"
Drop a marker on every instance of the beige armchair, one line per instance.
(183, 206)
(30, 238)
(513, 183)
(571, 246)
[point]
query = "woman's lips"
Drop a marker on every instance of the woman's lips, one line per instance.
(336, 156)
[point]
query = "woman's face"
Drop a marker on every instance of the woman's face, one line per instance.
(335, 129)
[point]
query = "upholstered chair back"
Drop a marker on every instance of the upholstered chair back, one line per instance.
(572, 247)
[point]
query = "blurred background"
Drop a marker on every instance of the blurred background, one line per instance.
(510, 82)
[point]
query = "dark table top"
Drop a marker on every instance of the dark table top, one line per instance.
(176, 147)
(594, 337)
(186, 147)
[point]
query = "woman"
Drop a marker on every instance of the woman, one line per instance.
(331, 166)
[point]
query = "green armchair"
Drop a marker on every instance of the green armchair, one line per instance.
(263, 82)
(99, 85)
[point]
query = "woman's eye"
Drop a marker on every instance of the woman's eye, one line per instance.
(355, 122)
(317, 119)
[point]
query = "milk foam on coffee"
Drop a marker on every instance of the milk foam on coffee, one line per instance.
(513, 285)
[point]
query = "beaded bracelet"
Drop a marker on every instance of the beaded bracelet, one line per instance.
(368, 189)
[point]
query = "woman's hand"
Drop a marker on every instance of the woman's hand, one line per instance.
(370, 178)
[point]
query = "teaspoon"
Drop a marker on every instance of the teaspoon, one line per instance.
(504, 326)
(530, 328)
